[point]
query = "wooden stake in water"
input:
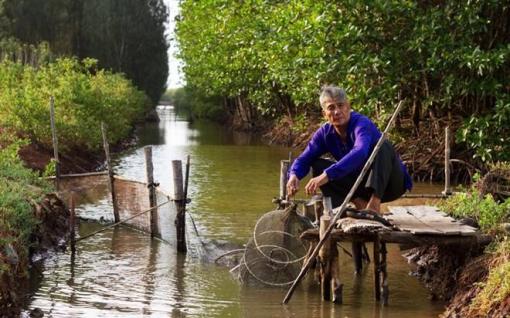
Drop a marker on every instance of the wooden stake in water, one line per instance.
(447, 190)
(72, 223)
(111, 177)
(339, 212)
(55, 142)
(180, 206)
(284, 168)
(149, 168)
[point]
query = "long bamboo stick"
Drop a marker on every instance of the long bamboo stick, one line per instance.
(339, 212)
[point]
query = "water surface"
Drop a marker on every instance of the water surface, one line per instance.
(123, 273)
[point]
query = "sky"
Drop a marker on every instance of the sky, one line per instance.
(174, 76)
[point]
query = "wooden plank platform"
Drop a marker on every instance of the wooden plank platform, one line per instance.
(426, 220)
(414, 225)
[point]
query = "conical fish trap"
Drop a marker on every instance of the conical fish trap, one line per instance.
(275, 253)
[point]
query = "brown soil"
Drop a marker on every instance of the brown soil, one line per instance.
(51, 233)
(454, 274)
(37, 157)
(439, 267)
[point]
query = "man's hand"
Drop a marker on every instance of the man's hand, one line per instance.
(314, 183)
(292, 185)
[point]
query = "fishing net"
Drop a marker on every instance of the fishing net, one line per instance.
(275, 253)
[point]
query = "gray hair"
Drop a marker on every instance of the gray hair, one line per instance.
(332, 92)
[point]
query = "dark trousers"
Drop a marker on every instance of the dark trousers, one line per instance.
(384, 178)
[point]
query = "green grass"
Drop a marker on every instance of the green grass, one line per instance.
(497, 287)
(485, 210)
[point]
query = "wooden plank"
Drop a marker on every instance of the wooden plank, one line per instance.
(401, 238)
(426, 220)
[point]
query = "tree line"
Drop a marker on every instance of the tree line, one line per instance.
(449, 60)
(126, 36)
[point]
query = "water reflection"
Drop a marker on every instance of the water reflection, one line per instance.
(123, 273)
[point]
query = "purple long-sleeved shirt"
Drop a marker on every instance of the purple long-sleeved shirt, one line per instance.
(362, 135)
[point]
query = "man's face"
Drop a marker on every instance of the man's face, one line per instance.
(336, 113)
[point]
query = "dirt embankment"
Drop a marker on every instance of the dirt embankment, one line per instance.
(456, 274)
(51, 233)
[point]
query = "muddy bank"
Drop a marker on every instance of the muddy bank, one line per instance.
(50, 234)
(456, 274)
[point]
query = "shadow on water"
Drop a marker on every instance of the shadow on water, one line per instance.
(123, 273)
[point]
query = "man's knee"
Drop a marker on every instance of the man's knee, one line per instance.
(319, 165)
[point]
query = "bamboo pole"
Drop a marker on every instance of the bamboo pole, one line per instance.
(55, 142)
(180, 205)
(284, 168)
(149, 169)
(447, 189)
(72, 223)
(186, 179)
(336, 284)
(385, 291)
(324, 258)
(318, 210)
(111, 178)
(339, 212)
(328, 206)
(377, 269)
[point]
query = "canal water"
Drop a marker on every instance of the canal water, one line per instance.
(123, 273)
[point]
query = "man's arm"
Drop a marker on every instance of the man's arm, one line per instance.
(302, 164)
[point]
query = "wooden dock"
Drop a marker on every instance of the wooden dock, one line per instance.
(411, 225)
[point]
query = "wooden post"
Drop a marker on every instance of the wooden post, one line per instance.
(377, 277)
(186, 180)
(336, 284)
(72, 222)
(328, 207)
(284, 168)
(149, 168)
(447, 190)
(180, 220)
(55, 142)
(310, 212)
(111, 178)
(318, 208)
(324, 259)
(385, 291)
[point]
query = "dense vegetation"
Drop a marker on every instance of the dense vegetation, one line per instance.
(84, 96)
(450, 60)
(197, 105)
(123, 35)
(19, 187)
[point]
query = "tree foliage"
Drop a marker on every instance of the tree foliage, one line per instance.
(84, 96)
(123, 35)
(446, 58)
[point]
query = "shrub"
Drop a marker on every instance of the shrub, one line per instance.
(485, 210)
(84, 96)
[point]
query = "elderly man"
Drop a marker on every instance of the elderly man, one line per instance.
(349, 138)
